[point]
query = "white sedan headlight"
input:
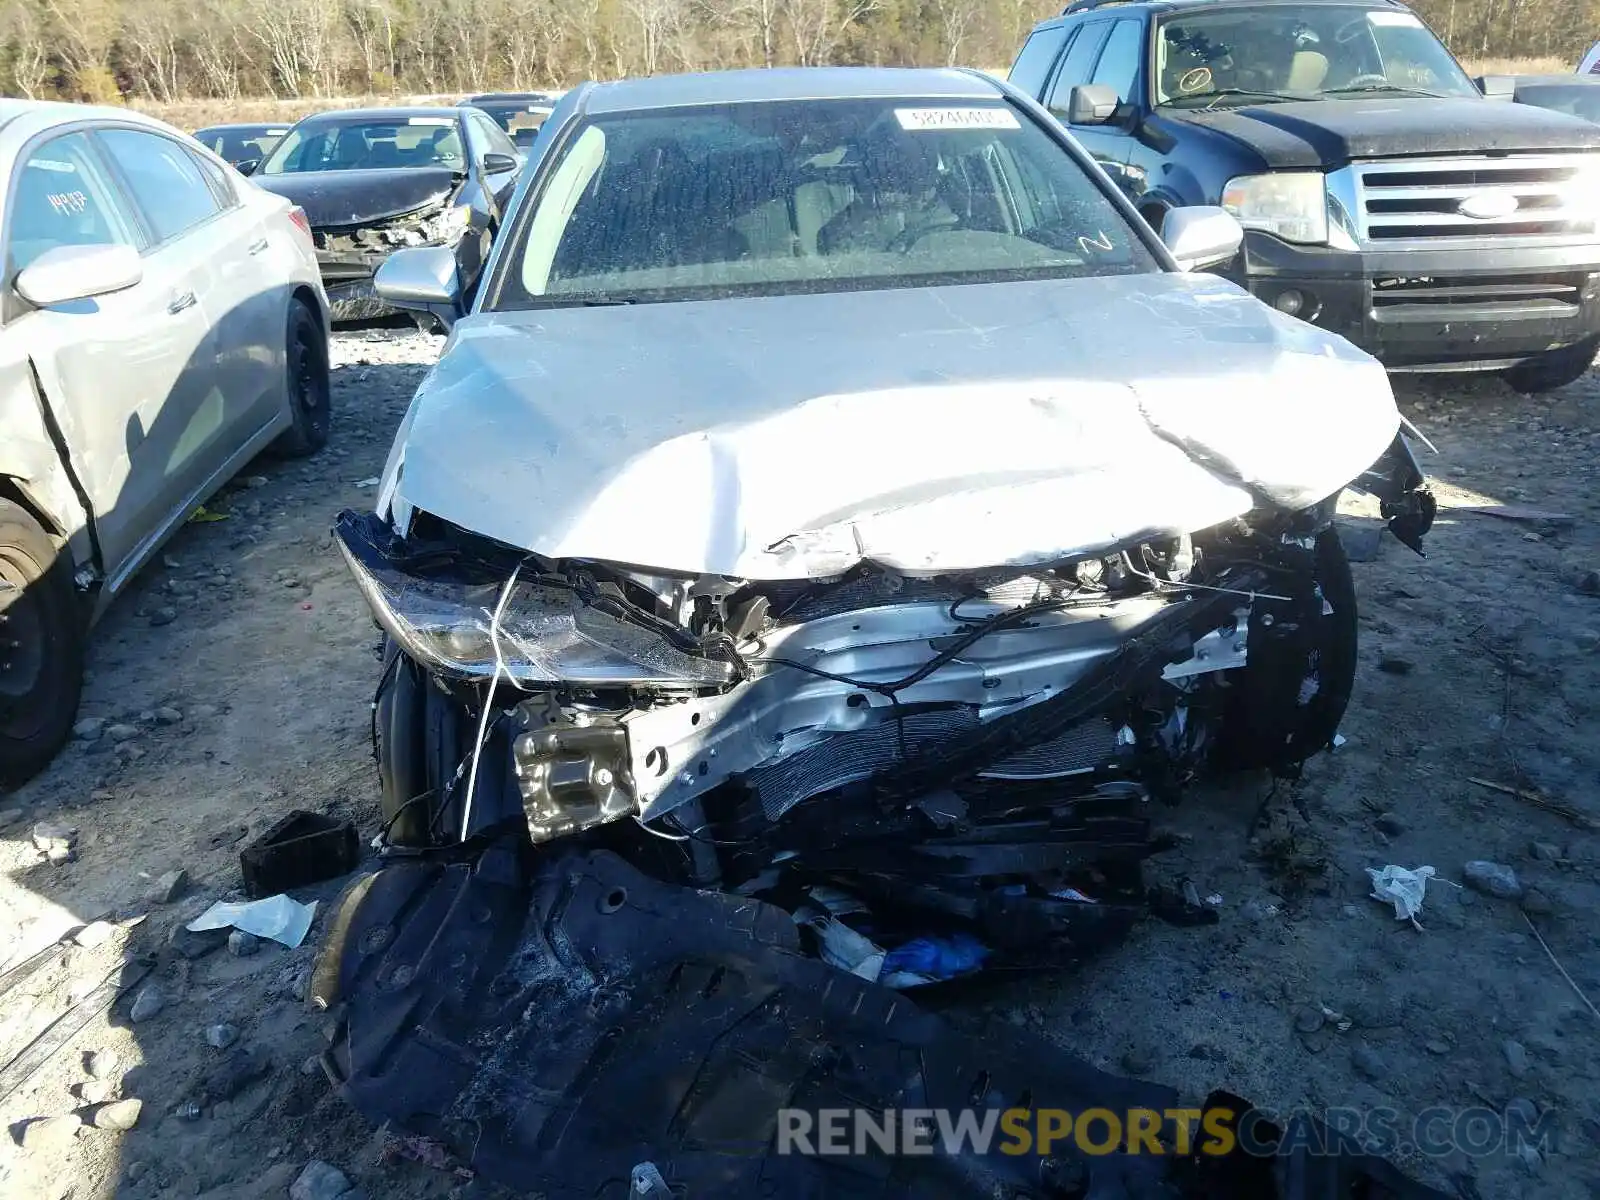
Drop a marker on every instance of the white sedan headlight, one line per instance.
(1291, 204)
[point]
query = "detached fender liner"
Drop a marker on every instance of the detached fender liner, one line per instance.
(557, 1021)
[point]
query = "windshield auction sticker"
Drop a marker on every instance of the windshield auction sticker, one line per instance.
(988, 117)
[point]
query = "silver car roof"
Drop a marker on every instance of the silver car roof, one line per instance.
(788, 83)
(21, 120)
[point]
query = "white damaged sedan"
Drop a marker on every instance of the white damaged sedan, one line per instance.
(835, 481)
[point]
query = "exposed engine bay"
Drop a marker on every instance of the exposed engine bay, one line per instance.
(350, 255)
(974, 751)
(439, 223)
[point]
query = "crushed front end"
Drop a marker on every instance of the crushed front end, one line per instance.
(349, 256)
(971, 753)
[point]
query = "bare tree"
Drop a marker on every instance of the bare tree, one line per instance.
(87, 30)
(816, 26)
(298, 37)
(371, 25)
(956, 20)
(165, 50)
(23, 32)
(153, 37)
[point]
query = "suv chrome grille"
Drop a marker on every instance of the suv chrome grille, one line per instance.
(1470, 199)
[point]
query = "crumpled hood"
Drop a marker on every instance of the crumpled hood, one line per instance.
(1330, 133)
(929, 429)
(337, 199)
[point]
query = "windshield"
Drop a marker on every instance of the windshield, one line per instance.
(238, 145)
(1293, 52)
(520, 118)
(365, 144)
(813, 195)
(1575, 99)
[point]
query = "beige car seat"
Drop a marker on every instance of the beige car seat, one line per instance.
(1307, 72)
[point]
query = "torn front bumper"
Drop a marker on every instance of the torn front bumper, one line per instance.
(347, 279)
(557, 1022)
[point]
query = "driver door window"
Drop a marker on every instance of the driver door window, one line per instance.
(62, 197)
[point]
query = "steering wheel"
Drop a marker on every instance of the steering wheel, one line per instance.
(1370, 77)
(1194, 80)
(902, 242)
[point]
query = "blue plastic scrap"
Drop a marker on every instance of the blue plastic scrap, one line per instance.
(936, 958)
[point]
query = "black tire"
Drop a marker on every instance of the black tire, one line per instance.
(310, 389)
(409, 777)
(41, 646)
(1554, 368)
(424, 735)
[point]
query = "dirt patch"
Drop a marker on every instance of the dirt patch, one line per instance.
(1478, 662)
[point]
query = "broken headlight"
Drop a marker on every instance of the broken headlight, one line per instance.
(449, 226)
(545, 633)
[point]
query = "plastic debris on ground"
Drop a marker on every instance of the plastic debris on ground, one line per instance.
(1402, 888)
(927, 960)
(302, 849)
(278, 918)
(848, 950)
(1072, 893)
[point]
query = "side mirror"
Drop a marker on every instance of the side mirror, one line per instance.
(1497, 87)
(70, 273)
(247, 166)
(421, 279)
(1091, 104)
(499, 164)
(1202, 236)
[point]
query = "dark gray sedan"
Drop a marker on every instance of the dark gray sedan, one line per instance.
(374, 180)
(241, 146)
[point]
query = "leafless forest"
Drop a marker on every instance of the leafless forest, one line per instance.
(162, 51)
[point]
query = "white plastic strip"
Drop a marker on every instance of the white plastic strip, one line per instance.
(990, 116)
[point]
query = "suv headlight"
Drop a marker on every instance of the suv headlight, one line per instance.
(1291, 204)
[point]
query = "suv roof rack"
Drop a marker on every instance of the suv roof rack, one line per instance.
(1078, 6)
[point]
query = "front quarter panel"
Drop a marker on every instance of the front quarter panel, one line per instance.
(28, 455)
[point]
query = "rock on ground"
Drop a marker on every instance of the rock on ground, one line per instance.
(1492, 879)
(319, 1181)
(150, 1001)
(119, 1115)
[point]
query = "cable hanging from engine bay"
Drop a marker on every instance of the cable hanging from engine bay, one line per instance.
(488, 699)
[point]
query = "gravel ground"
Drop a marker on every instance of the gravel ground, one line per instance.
(232, 685)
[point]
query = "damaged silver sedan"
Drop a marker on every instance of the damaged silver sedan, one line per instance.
(837, 495)
(835, 524)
